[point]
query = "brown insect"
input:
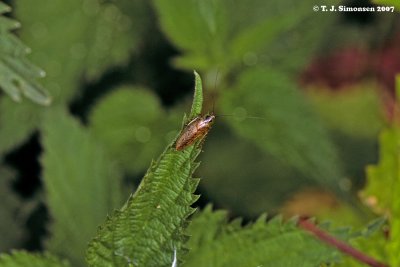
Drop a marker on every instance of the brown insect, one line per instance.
(197, 129)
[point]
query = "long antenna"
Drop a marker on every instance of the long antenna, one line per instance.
(247, 117)
(215, 87)
(213, 106)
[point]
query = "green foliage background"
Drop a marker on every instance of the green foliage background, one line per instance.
(118, 80)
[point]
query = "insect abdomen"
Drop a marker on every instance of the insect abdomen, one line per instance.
(188, 138)
(195, 130)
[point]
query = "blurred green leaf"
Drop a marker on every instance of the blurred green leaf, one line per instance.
(70, 39)
(214, 242)
(382, 178)
(148, 229)
(17, 74)
(289, 129)
(223, 33)
(17, 122)
(257, 37)
(81, 184)
(74, 39)
(133, 126)
(365, 119)
(23, 259)
(11, 227)
(199, 28)
(393, 3)
(249, 169)
(383, 188)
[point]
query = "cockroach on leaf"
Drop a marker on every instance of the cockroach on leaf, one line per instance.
(195, 130)
(198, 128)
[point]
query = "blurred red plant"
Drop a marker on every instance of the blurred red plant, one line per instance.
(351, 65)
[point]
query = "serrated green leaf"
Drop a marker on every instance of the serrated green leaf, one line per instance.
(198, 97)
(263, 243)
(374, 226)
(74, 39)
(87, 45)
(289, 130)
(17, 75)
(383, 188)
(6, 25)
(148, 229)
(382, 178)
(205, 227)
(4, 8)
(370, 240)
(23, 259)
(81, 184)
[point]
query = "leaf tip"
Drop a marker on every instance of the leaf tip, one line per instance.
(198, 97)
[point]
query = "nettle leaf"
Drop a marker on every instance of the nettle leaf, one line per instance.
(87, 45)
(198, 97)
(17, 122)
(148, 229)
(197, 27)
(214, 242)
(289, 129)
(23, 259)
(81, 183)
(383, 188)
(80, 38)
(256, 38)
(221, 33)
(382, 178)
(18, 75)
(132, 125)
(371, 240)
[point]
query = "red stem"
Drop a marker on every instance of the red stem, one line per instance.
(340, 245)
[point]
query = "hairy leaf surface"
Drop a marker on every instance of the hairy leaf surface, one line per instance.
(81, 185)
(214, 242)
(148, 229)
